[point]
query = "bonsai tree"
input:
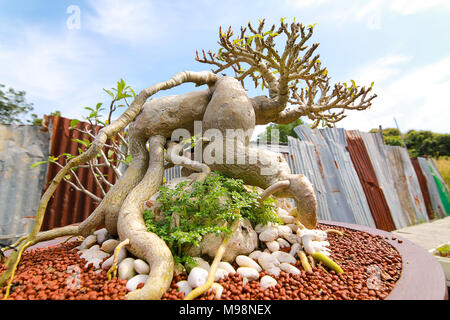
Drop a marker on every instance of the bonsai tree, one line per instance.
(298, 86)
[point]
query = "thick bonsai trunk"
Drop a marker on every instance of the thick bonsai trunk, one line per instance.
(143, 244)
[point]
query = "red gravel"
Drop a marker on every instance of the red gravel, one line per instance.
(42, 275)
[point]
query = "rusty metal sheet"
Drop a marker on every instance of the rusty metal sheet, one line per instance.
(383, 171)
(328, 159)
(407, 185)
(423, 188)
(436, 202)
(20, 186)
(366, 172)
(67, 205)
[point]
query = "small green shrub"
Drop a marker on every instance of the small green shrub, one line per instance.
(202, 208)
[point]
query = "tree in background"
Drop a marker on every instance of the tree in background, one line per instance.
(284, 130)
(420, 143)
(13, 105)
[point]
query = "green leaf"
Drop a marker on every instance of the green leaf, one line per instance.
(67, 177)
(110, 93)
(84, 143)
(120, 86)
(110, 153)
(34, 165)
(74, 122)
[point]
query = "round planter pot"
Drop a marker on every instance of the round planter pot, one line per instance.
(422, 277)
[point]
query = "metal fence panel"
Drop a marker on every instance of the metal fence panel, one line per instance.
(20, 186)
(407, 185)
(436, 202)
(344, 194)
(378, 205)
(383, 170)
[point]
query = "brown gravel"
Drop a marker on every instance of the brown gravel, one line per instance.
(42, 275)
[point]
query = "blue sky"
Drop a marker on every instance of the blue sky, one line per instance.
(404, 46)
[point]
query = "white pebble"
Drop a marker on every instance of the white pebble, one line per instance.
(267, 261)
(273, 246)
(295, 249)
(284, 257)
(275, 271)
(244, 261)
(226, 266)
(289, 268)
(255, 254)
(201, 263)
(261, 227)
(197, 277)
(284, 230)
(183, 286)
(220, 274)
(141, 266)
(292, 238)
(293, 227)
(120, 256)
(269, 234)
(249, 273)
(109, 245)
(217, 288)
(126, 269)
(88, 242)
(267, 282)
(135, 281)
(283, 243)
(102, 235)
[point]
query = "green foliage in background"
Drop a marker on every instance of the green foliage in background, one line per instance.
(13, 105)
(284, 130)
(419, 143)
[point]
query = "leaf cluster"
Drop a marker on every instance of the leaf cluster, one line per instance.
(191, 211)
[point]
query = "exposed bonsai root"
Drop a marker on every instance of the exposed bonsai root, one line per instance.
(143, 244)
(304, 261)
(115, 127)
(327, 261)
(173, 155)
(303, 193)
(212, 272)
(273, 189)
(335, 232)
(19, 255)
(113, 268)
(311, 261)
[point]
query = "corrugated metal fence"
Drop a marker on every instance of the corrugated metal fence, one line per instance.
(20, 186)
(359, 179)
(356, 177)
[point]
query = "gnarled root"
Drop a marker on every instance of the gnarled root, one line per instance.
(112, 272)
(118, 125)
(212, 272)
(173, 155)
(303, 193)
(143, 244)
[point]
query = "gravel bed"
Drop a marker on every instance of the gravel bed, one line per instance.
(371, 269)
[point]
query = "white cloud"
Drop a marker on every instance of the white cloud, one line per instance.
(417, 98)
(368, 12)
(55, 70)
(381, 69)
(136, 22)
